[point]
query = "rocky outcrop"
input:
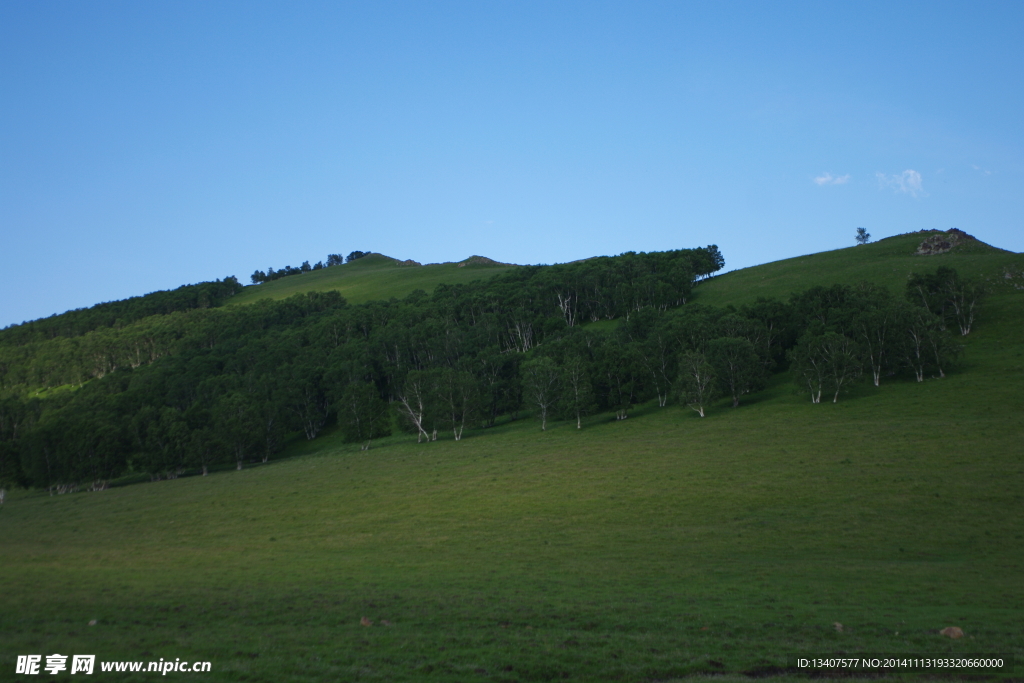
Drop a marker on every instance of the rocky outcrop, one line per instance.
(480, 261)
(940, 243)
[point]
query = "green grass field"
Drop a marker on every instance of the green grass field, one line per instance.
(651, 549)
(372, 277)
(886, 262)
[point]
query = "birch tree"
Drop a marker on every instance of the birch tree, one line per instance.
(826, 362)
(540, 386)
(932, 292)
(943, 349)
(414, 402)
(458, 399)
(577, 392)
(963, 297)
(917, 326)
(696, 381)
(877, 330)
(842, 362)
(808, 367)
(305, 397)
(653, 342)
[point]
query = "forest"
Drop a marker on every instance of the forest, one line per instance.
(121, 391)
(119, 313)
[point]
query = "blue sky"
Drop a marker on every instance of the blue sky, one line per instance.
(148, 145)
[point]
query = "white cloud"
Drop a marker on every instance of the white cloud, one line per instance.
(827, 179)
(908, 182)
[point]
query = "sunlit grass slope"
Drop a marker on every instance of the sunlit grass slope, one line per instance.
(372, 277)
(642, 550)
(887, 262)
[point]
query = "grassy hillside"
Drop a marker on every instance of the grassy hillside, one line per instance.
(887, 262)
(647, 549)
(374, 276)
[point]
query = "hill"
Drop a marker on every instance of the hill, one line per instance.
(887, 262)
(81, 321)
(644, 549)
(375, 276)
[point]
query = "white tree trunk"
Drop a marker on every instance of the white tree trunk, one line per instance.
(415, 415)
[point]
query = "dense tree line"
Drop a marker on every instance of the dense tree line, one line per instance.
(866, 329)
(270, 274)
(115, 314)
(229, 385)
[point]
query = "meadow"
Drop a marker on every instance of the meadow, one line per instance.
(372, 277)
(649, 549)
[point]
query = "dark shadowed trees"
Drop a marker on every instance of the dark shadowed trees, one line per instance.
(236, 419)
(842, 362)
(501, 391)
(541, 386)
(304, 395)
(737, 366)
(808, 367)
(203, 448)
(362, 414)
(918, 329)
(577, 392)
(457, 399)
(954, 300)
(622, 374)
(201, 383)
(877, 331)
(963, 296)
(827, 363)
(16, 417)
